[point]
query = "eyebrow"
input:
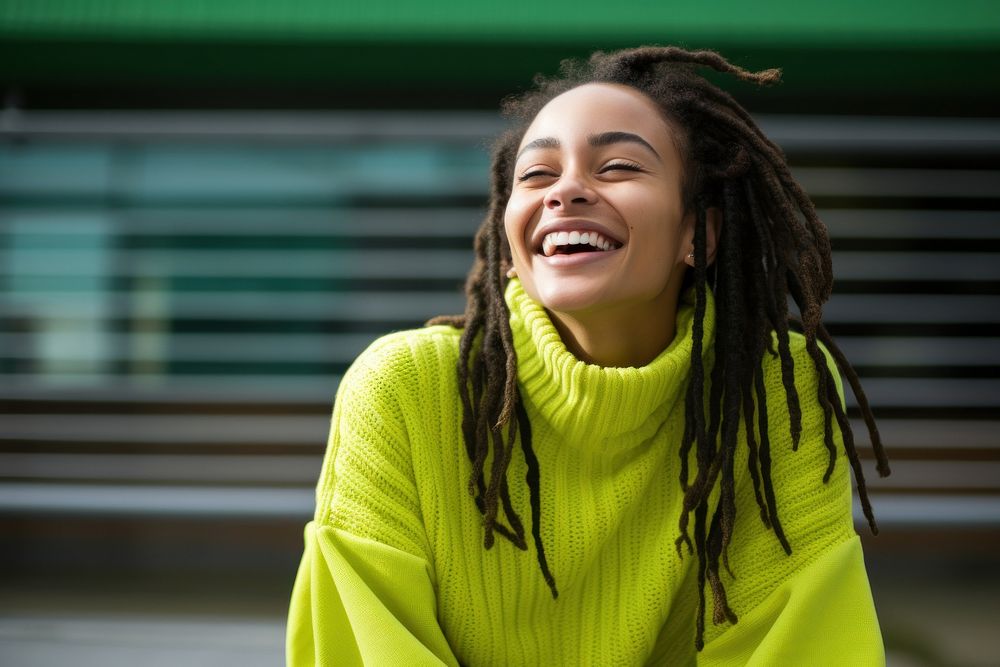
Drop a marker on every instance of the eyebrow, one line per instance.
(595, 140)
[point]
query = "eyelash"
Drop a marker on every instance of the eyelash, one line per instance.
(531, 174)
(625, 166)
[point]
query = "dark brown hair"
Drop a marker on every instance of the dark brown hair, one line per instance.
(772, 246)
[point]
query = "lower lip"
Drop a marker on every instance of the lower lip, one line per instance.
(577, 259)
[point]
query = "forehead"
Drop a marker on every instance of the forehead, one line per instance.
(599, 107)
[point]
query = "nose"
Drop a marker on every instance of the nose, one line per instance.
(569, 189)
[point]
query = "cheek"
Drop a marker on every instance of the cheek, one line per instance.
(659, 229)
(514, 243)
(515, 220)
(510, 229)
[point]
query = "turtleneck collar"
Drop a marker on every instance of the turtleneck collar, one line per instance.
(585, 402)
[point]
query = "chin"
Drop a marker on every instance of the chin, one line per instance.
(563, 297)
(579, 297)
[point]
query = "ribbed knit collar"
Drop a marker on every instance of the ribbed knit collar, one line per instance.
(585, 402)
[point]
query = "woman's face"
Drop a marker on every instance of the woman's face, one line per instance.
(595, 218)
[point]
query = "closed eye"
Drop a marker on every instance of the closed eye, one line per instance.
(621, 166)
(534, 173)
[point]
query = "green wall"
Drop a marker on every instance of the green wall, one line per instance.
(897, 56)
(900, 22)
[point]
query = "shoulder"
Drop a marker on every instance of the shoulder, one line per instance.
(368, 485)
(811, 477)
(427, 344)
(810, 482)
(402, 359)
(804, 369)
(393, 357)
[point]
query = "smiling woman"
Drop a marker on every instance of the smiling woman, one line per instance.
(605, 163)
(626, 324)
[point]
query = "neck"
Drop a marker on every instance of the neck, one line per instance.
(619, 336)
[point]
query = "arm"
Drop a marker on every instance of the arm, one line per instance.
(815, 605)
(364, 593)
(357, 601)
(822, 615)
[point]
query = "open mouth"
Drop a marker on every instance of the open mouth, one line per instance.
(571, 243)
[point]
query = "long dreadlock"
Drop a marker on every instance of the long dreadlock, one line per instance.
(772, 246)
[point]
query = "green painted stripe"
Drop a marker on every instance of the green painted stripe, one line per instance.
(897, 22)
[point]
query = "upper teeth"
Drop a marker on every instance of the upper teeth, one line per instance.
(556, 239)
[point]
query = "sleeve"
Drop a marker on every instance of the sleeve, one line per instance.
(813, 606)
(823, 615)
(364, 592)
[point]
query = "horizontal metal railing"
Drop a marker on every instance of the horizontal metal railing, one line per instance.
(181, 293)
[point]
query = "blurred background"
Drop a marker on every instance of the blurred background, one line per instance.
(207, 209)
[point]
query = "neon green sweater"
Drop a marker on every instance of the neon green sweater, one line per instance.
(394, 570)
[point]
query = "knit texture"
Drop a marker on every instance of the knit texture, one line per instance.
(394, 570)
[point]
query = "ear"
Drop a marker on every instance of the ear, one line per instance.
(713, 231)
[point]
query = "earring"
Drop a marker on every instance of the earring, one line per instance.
(512, 272)
(691, 255)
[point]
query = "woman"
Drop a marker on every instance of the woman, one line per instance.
(595, 362)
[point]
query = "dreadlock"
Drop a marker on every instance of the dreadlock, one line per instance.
(772, 246)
